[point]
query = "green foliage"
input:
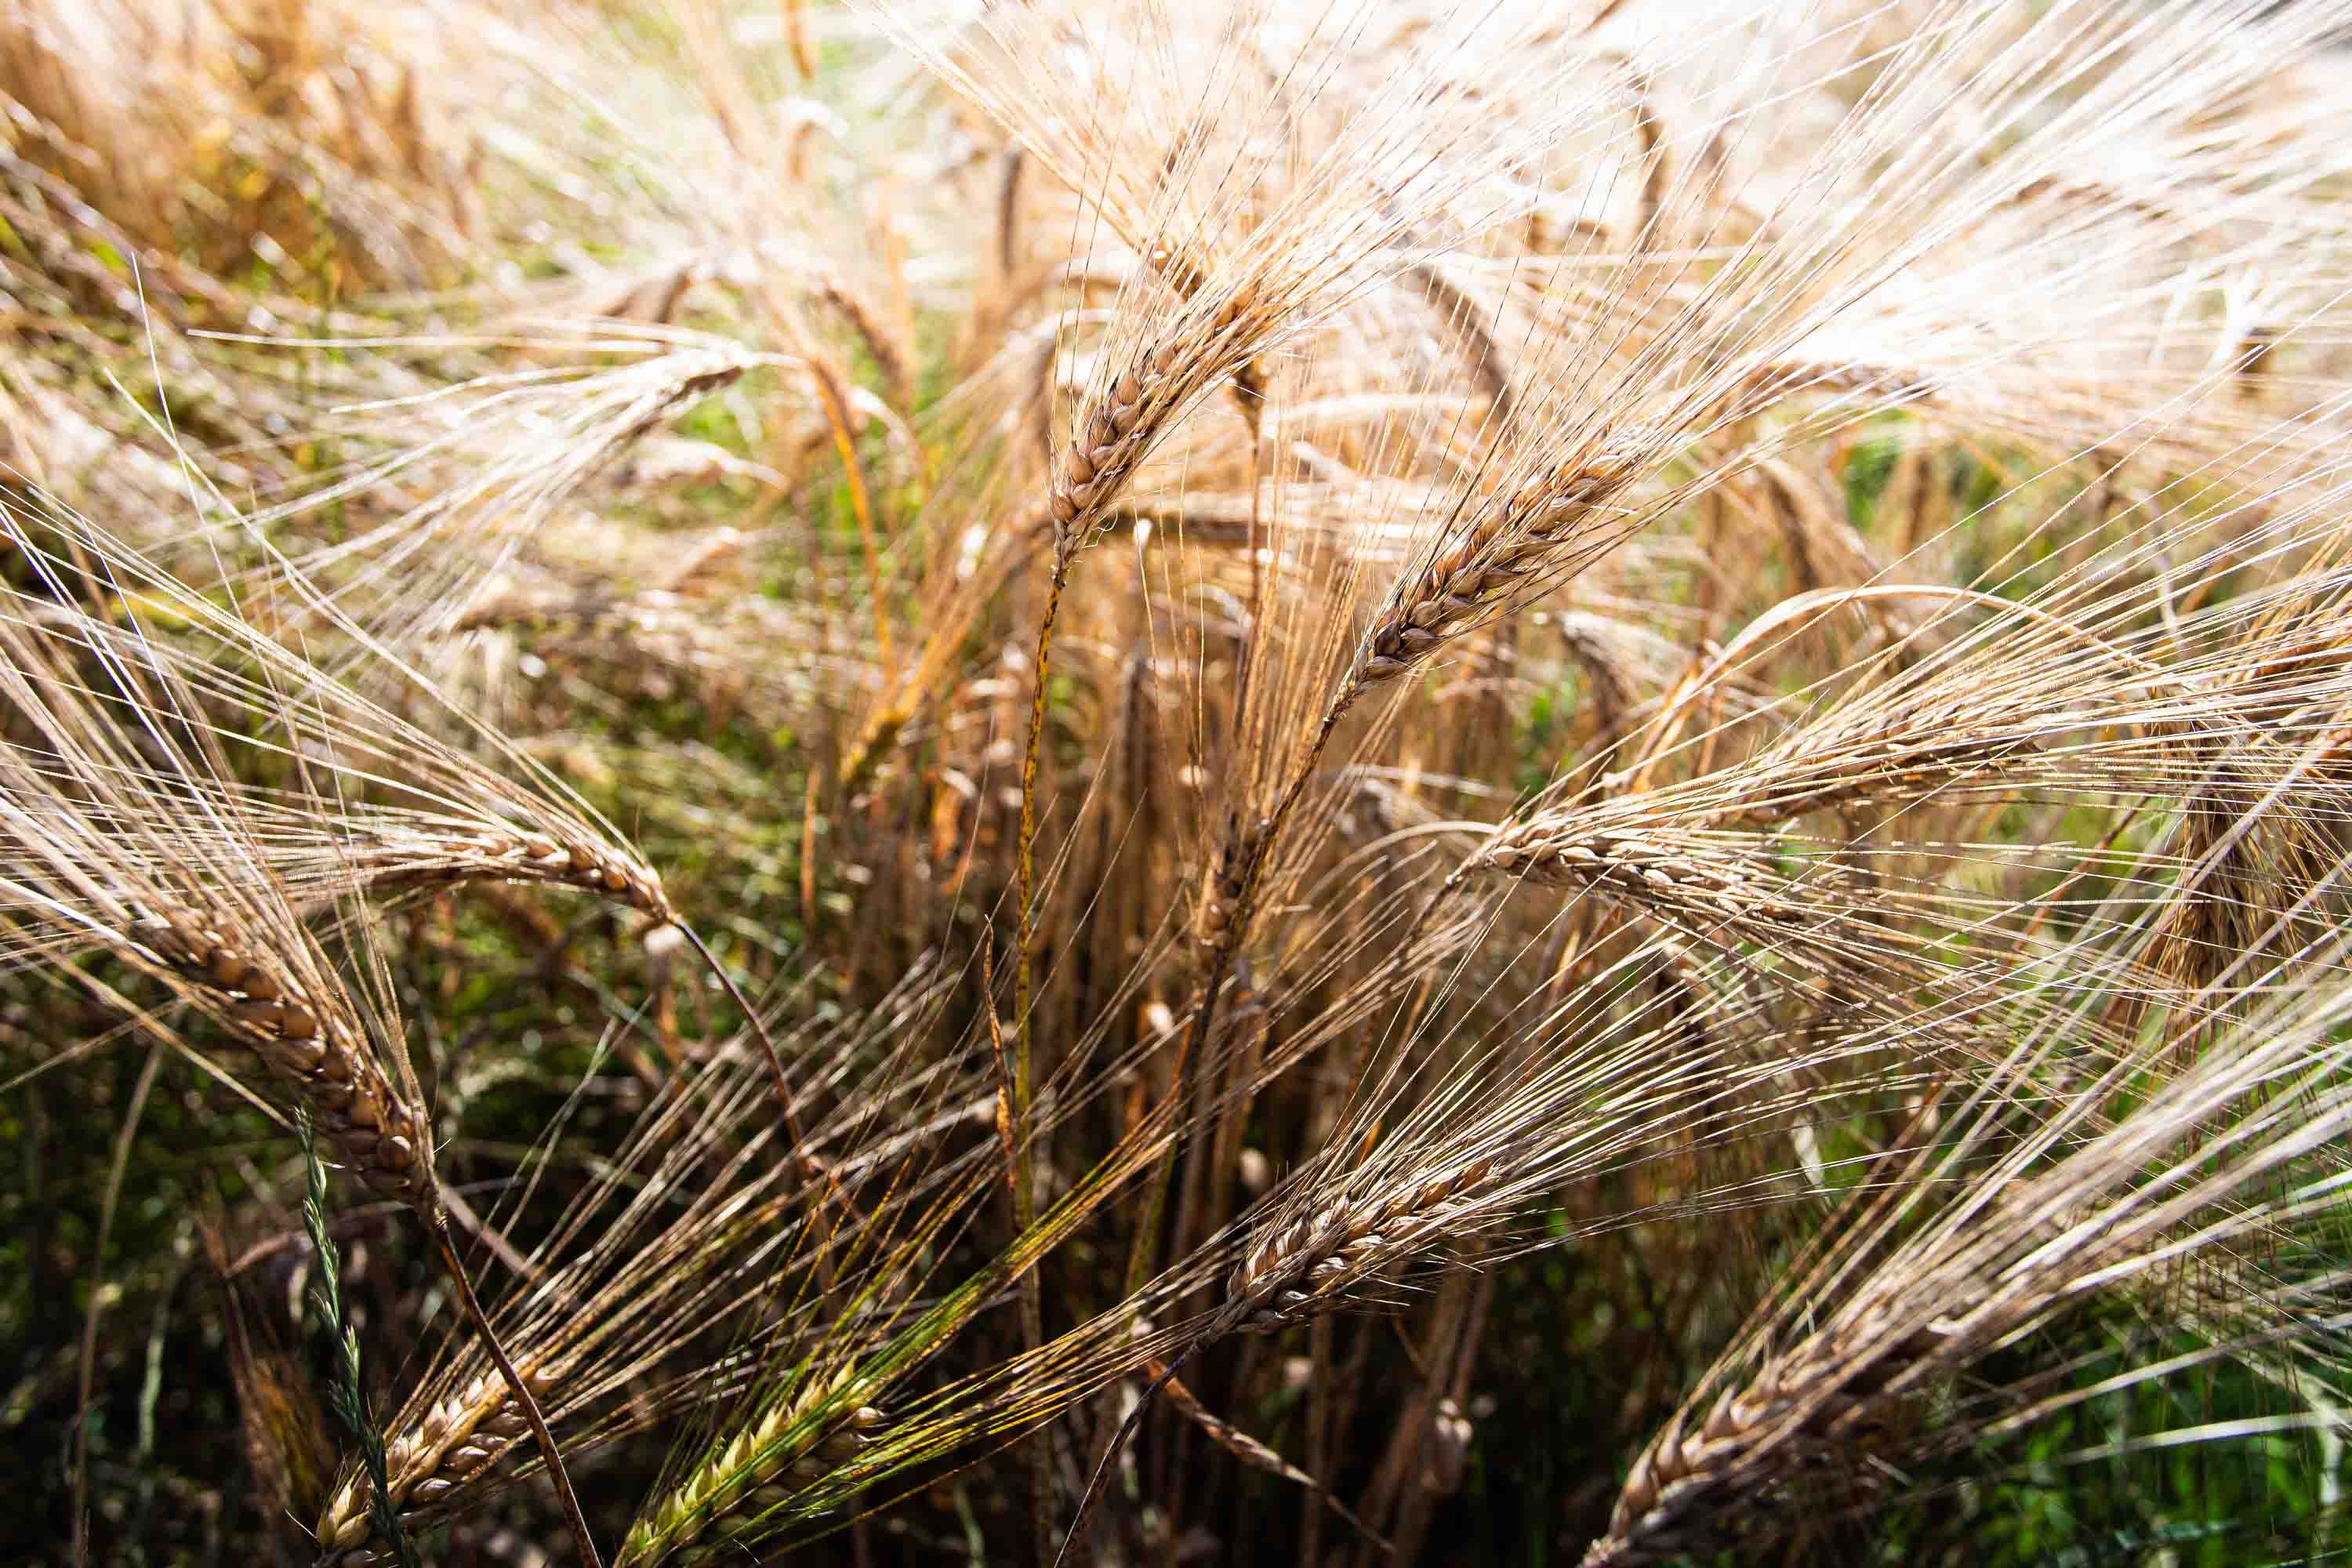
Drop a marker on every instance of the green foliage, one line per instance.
(347, 1388)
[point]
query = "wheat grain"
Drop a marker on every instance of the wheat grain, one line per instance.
(391, 859)
(1304, 1266)
(1832, 1400)
(459, 1441)
(816, 1429)
(1508, 547)
(305, 1035)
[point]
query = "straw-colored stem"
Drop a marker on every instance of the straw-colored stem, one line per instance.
(517, 1387)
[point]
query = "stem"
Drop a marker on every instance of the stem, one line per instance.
(121, 1162)
(1318, 1431)
(438, 1223)
(1118, 1440)
(836, 418)
(1031, 1298)
(1026, 872)
(1140, 1259)
(759, 1027)
(1024, 1184)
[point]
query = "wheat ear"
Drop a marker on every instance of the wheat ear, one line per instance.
(1839, 1395)
(307, 1039)
(815, 1431)
(459, 1441)
(2072, 1209)
(1302, 1267)
(389, 858)
(1511, 544)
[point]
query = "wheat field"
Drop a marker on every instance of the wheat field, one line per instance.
(1176, 782)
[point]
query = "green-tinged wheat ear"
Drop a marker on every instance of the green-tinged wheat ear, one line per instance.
(748, 1468)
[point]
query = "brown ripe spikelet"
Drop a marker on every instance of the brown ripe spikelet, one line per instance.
(391, 859)
(1474, 325)
(1306, 1265)
(1162, 375)
(1224, 897)
(459, 1440)
(408, 808)
(1816, 1412)
(889, 356)
(309, 1040)
(1721, 874)
(1510, 546)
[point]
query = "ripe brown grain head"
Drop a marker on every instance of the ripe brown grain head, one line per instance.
(95, 868)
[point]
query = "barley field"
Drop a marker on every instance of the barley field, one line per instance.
(1175, 783)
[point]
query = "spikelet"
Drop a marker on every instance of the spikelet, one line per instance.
(240, 954)
(1541, 531)
(381, 802)
(457, 1441)
(1247, 219)
(814, 1431)
(1304, 1265)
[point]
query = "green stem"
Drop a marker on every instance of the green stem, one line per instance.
(1025, 1152)
(347, 1396)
